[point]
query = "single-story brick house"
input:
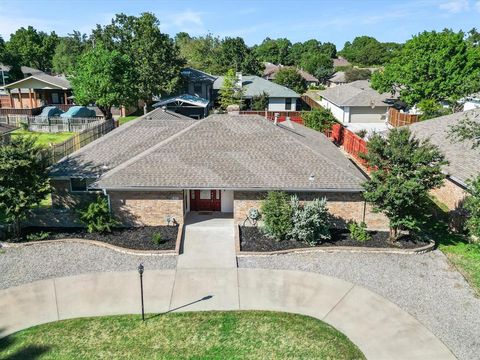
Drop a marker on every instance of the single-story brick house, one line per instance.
(165, 165)
(464, 160)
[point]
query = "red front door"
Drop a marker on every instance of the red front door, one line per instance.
(205, 200)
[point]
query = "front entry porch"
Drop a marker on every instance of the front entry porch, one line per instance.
(209, 200)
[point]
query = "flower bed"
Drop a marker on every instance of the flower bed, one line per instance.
(252, 239)
(139, 238)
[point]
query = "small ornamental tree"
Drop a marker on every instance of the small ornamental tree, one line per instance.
(105, 78)
(290, 78)
(472, 205)
(404, 170)
(320, 119)
(97, 216)
(231, 92)
(260, 102)
(277, 215)
(23, 179)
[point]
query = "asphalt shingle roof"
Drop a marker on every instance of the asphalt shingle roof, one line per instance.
(58, 81)
(464, 161)
(121, 144)
(356, 93)
(239, 152)
(255, 85)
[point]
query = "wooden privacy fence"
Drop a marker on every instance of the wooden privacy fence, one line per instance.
(310, 102)
(295, 116)
(354, 145)
(397, 118)
(79, 140)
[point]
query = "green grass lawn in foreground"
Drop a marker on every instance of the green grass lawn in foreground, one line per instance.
(463, 255)
(44, 138)
(193, 335)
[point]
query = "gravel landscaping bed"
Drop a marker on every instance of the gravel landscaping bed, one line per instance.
(21, 265)
(139, 238)
(424, 285)
(252, 239)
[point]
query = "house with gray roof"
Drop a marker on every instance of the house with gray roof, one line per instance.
(280, 98)
(164, 164)
(271, 70)
(357, 103)
(463, 159)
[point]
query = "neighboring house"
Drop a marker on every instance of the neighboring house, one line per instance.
(340, 61)
(338, 78)
(165, 165)
(271, 71)
(280, 98)
(37, 90)
(196, 97)
(356, 103)
(464, 161)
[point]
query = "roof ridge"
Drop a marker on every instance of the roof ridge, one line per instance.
(148, 151)
(317, 152)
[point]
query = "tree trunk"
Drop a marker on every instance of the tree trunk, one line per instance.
(106, 111)
(145, 108)
(393, 235)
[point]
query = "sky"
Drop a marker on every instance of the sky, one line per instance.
(297, 20)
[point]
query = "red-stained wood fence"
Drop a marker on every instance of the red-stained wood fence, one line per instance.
(295, 116)
(397, 118)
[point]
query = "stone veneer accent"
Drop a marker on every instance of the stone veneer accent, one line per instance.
(450, 194)
(146, 208)
(343, 207)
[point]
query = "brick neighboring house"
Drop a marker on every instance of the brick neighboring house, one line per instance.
(165, 164)
(464, 161)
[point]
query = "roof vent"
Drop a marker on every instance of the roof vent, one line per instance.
(311, 177)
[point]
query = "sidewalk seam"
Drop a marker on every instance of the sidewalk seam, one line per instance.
(338, 302)
(55, 296)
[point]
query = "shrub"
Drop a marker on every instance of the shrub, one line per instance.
(97, 217)
(24, 126)
(157, 238)
(318, 119)
(472, 205)
(361, 133)
(277, 215)
(41, 235)
(310, 222)
(358, 231)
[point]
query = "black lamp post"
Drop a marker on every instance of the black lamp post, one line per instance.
(140, 271)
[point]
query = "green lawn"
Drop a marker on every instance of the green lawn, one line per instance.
(462, 254)
(195, 335)
(44, 138)
(126, 119)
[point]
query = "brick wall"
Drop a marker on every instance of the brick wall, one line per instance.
(343, 207)
(64, 199)
(146, 208)
(450, 194)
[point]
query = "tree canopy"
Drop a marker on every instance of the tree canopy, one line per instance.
(404, 170)
(155, 59)
(289, 77)
(440, 66)
(32, 48)
(354, 74)
(104, 77)
(368, 51)
(67, 52)
(274, 51)
(24, 180)
(231, 91)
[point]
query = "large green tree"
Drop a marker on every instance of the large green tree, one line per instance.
(24, 180)
(432, 65)
(289, 77)
(32, 48)
(231, 91)
(368, 51)
(404, 169)
(104, 77)
(202, 52)
(234, 52)
(155, 57)
(68, 51)
(355, 74)
(311, 62)
(276, 51)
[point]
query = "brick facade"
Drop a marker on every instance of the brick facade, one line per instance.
(342, 206)
(63, 198)
(450, 194)
(146, 208)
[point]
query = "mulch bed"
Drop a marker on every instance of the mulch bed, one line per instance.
(130, 238)
(252, 239)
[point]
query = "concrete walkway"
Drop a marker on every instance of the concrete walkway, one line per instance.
(209, 242)
(378, 327)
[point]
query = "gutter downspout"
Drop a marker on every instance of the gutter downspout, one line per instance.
(108, 200)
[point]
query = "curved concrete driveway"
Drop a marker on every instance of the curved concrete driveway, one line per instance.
(379, 328)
